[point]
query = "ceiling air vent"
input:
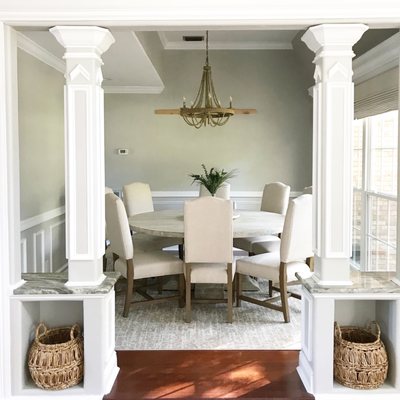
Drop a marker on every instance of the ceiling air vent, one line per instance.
(193, 38)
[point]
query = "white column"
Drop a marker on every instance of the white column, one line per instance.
(333, 95)
(10, 270)
(84, 150)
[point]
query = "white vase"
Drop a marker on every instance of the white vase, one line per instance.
(223, 192)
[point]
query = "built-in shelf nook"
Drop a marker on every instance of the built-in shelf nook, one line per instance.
(45, 298)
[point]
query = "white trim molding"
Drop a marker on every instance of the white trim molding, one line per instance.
(229, 45)
(379, 59)
(133, 89)
(41, 218)
(243, 200)
(29, 46)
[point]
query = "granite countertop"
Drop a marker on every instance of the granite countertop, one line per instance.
(363, 282)
(54, 283)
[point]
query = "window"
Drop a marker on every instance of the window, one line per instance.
(375, 192)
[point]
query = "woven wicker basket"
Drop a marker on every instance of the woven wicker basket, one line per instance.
(360, 359)
(55, 358)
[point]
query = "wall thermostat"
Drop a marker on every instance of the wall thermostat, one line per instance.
(123, 152)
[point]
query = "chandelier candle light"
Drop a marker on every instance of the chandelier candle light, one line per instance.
(206, 108)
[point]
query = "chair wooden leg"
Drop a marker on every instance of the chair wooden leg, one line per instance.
(238, 289)
(104, 263)
(310, 263)
(188, 310)
(270, 288)
(284, 293)
(230, 294)
(181, 286)
(180, 251)
(159, 284)
(129, 287)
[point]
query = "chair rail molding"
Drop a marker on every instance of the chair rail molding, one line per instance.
(41, 218)
(379, 59)
(243, 200)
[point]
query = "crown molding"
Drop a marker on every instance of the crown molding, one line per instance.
(133, 89)
(216, 45)
(29, 46)
(379, 59)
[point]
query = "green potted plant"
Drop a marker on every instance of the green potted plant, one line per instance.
(213, 179)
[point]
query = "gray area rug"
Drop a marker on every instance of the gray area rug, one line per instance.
(161, 326)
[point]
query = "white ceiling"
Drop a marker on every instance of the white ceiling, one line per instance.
(230, 40)
(128, 69)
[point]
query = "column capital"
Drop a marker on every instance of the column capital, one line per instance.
(83, 39)
(335, 37)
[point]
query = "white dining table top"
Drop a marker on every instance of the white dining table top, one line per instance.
(170, 223)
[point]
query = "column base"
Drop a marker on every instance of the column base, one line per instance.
(85, 272)
(332, 271)
(322, 282)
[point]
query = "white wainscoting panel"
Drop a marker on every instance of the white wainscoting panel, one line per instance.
(57, 246)
(38, 251)
(24, 255)
(43, 242)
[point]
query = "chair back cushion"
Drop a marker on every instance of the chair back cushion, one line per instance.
(275, 198)
(118, 231)
(137, 198)
(296, 239)
(223, 192)
(208, 230)
(108, 190)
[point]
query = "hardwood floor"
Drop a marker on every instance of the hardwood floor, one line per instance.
(208, 374)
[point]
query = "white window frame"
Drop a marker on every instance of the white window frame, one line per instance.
(366, 194)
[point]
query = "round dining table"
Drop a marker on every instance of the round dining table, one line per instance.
(169, 223)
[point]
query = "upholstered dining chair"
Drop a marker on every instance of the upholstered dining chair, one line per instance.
(107, 241)
(295, 256)
(275, 199)
(138, 199)
(135, 265)
(208, 234)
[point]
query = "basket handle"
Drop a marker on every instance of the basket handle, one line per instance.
(377, 329)
(38, 332)
(338, 331)
(75, 328)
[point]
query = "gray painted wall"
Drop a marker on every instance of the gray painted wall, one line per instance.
(273, 145)
(41, 136)
(41, 147)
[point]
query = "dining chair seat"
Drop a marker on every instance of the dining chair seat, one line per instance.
(267, 266)
(209, 273)
(157, 263)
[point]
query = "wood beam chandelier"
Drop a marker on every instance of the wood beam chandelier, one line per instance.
(206, 108)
